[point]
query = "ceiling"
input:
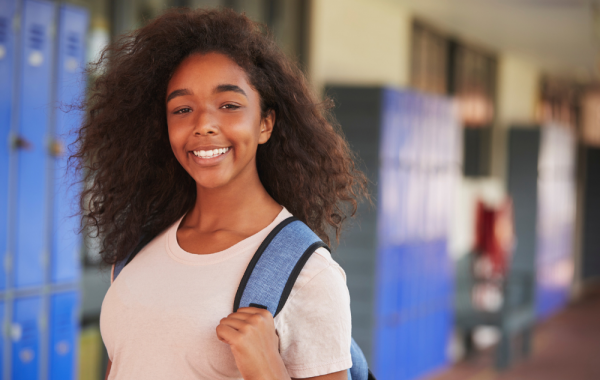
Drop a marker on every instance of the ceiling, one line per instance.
(559, 36)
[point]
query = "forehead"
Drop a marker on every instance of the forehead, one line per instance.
(208, 70)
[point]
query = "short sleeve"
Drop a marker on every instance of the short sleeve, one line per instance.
(314, 326)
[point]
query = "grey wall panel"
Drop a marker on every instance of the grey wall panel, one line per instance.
(358, 110)
(524, 147)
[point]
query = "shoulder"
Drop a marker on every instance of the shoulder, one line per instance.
(322, 268)
(319, 290)
(314, 326)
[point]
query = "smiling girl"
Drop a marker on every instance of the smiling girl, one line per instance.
(200, 132)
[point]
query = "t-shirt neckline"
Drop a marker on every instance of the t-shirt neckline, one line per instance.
(249, 243)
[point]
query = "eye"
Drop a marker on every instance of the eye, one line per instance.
(230, 106)
(183, 110)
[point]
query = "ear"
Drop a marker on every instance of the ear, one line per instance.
(266, 127)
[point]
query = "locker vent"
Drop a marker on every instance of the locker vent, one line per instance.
(29, 331)
(36, 37)
(72, 44)
(64, 322)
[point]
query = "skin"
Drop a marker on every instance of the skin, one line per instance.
(211, 104)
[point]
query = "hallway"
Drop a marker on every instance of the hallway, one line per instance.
(565, 347)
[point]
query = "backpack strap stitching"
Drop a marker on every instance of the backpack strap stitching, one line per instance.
(296, 272)
(255, 258)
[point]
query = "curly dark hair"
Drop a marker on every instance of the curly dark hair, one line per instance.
(135, 185)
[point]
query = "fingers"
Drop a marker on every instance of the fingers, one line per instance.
(246, 312)
(254, 310)
(235, 323)
(240, 323)
(227, 334)
(244, 321)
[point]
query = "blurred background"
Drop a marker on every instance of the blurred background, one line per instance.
(477, 122)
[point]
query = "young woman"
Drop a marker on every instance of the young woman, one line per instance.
(201, 132)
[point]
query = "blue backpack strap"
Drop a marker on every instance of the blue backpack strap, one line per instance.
(119, 265)
(274, 268)
(360, 367)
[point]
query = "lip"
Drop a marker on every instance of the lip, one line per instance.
(209, 161)
(208, 147)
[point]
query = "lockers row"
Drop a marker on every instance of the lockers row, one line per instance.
(42, 48)
(414, 310)
(426, 131)
(396, 256)
(556, 218)
(41, 338)
(420, 163)
(415, 204)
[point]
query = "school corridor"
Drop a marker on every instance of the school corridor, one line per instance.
(565, 347)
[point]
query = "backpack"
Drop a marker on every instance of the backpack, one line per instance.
(271, 274)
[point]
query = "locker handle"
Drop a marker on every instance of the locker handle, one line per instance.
(19, 142)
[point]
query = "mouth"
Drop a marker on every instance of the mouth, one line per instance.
(211, 153)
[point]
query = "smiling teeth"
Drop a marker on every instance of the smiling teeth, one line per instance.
(210, 153)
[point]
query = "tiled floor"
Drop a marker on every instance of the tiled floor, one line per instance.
(565, 347)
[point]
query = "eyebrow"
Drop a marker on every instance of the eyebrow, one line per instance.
(229, 87)
(177, 93)
(220, 88)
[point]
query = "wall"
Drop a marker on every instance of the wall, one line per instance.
(517, 96)
(517, 90)
(358, 42)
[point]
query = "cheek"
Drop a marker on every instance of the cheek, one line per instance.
(246, 130)
(177, 140)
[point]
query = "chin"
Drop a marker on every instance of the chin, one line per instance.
(210, 183)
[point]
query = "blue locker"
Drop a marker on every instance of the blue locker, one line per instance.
(34, 111)
(2, 331)
(64, 330)
(389, 118)
(414, 303)
(66, 241)
(25, 336)
(554, 259)
(7, 58)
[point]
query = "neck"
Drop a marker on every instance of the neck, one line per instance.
(236, 206)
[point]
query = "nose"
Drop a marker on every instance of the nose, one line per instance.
(206, 124)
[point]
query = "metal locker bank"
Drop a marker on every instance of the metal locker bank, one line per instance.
(396, 252)
(41, 66)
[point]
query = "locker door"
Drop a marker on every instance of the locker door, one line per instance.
(66, 242)
(25, 335)
(34, 109)
(7, 50)
(64, 331)
(2, 331)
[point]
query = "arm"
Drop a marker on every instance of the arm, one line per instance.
(108, 369)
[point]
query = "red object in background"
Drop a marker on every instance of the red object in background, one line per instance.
(494, 235)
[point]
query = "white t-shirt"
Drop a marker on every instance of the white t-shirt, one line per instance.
(159, 317)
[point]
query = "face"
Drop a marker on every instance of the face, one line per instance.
(214, 120)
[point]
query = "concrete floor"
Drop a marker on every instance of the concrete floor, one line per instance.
(565, 347)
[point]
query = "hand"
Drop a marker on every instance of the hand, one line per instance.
(250, 332)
